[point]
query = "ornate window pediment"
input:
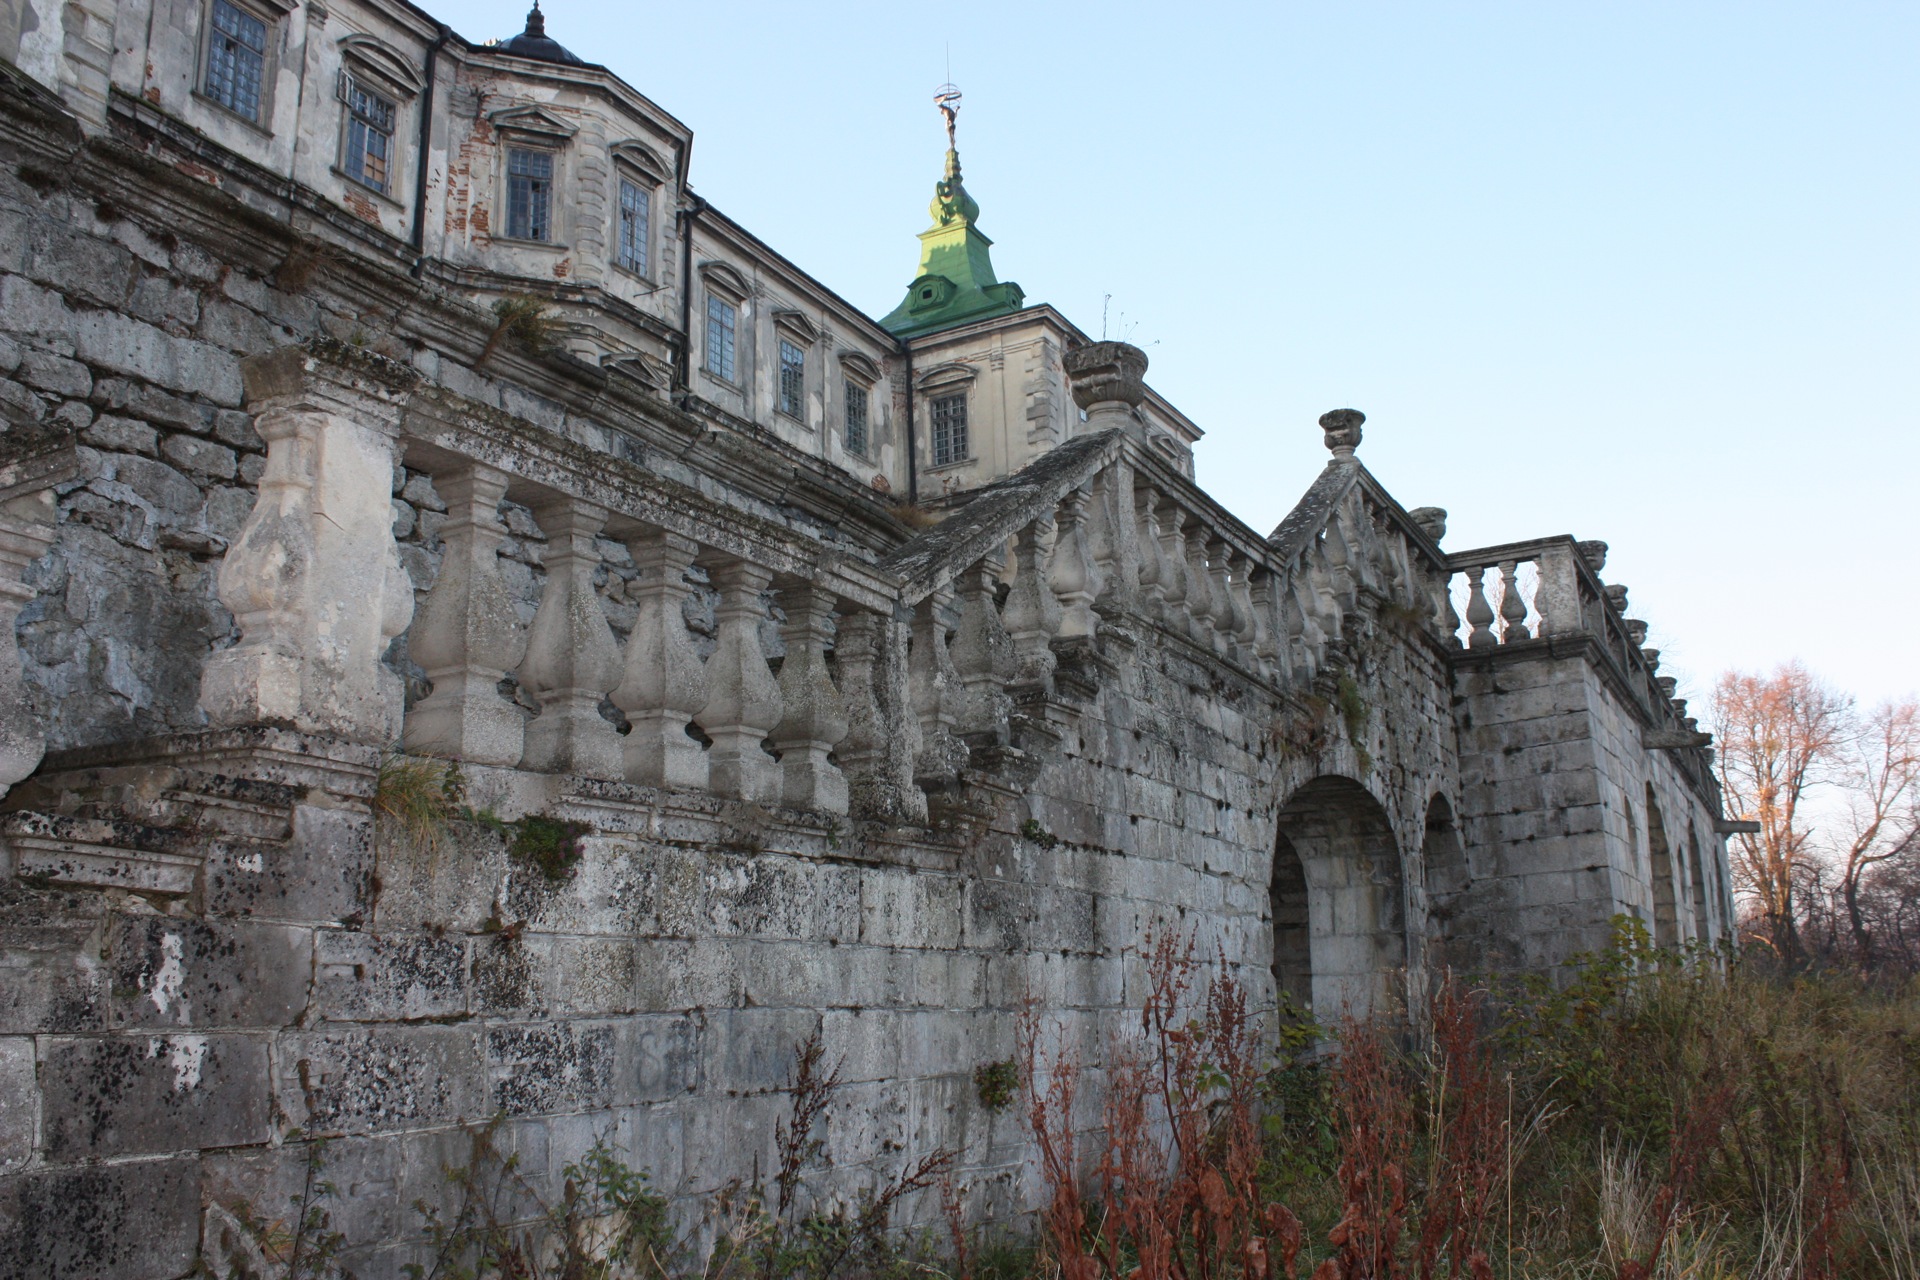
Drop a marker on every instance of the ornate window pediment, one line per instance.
(533, 123)
(955, 374)
(796, 327)
(375, 58)
(644, 160)
(724, 280)
(859, 367)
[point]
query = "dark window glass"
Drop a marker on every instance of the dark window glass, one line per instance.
(793, 380)
(635, 211)
(720, 321)
(369, 138)
(949, 429)
(530, 194)
(856, 418)
(236, 60)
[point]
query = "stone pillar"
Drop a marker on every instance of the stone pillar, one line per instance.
(572, 658)
(26, 531)
(1071, 574)
(467, 635)
(814, 717)
(1558, 597)
(882, 736)
(314, 579)
(1032, 614)
(983, 655)
(1115, 540)
(664, 683)
(1108, 380)
(744, 705)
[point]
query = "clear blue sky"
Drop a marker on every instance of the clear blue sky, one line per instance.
(1641, 272)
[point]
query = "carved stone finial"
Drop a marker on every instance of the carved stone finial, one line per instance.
(1616, 594)
(1432, 521)
(1343, 431)
(1107, 372)
(1593, 552)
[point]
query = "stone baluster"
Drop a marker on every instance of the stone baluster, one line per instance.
(1513, 606)
(1237, 570)
(1304, 637)
(1071, 575)
(982, 654)
(1199, 584)
(934, 687)
(1449, 620)
(1152, 563)
(1032, 613)
(813, 715)
(468, 634)
(882, 738)
(1321, 597)
(313, 578)
(1340, 571)
(26, 533)
(744, 703)
(1269, 633)
(664, 682)
(1479, 613)
(1115, 541)
(1173, 565)
(572, 658)
(1228, 617)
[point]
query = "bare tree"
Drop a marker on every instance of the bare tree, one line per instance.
(1777, 738)
(1879, 769)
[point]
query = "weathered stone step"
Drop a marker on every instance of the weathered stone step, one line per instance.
(109, 853)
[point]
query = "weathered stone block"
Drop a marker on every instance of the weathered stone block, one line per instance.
(323, 873)
(364, 1080)
(19, 1102)
(172, 972)
(131, 1095)
(537, 1067)
(120, 435)
(389, 978)
(202, 457)
(56, 374)
(106, 1222)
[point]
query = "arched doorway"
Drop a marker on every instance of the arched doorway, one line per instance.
(1339, 915)
(1702, 929)
(1454, 939)
(1666, 916)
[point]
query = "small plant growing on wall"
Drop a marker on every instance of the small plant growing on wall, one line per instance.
(551, 845)
(996, 1083)
(1032, 830)
(523, 319)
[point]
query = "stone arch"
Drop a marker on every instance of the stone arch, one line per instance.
(1335, 854)
(1454, 939)
(1666, 914)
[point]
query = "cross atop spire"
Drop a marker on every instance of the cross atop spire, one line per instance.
(947, 99)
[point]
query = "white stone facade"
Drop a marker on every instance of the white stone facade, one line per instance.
(282, 489)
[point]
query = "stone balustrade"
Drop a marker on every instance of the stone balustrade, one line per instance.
(31, 462)
(1549, 589)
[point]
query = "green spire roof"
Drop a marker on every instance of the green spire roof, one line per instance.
(956, 281)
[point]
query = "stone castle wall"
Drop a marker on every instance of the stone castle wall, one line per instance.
(212, 948)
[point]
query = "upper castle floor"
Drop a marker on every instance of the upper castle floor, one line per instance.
(516, 174)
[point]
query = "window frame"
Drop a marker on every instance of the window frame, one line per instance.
(852, 388)
(936, 397)
(794, 406)
(351, 80)
(716, 298)
(269, 18)
(623, 178)
(523, 146)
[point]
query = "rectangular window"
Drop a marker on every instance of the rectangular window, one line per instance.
(369, 138)
(635, 211)
(949, 430)
(720, 322)
(529, 194)
(793, 380)
(856, 418)
(236, 60)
